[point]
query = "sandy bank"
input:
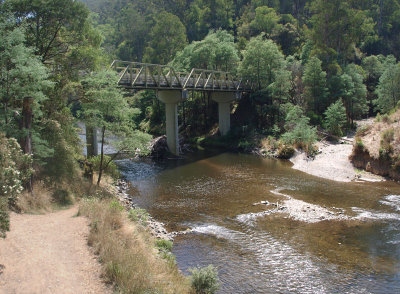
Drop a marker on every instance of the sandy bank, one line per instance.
(331, 163)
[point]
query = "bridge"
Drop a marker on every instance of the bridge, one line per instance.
(173, 86)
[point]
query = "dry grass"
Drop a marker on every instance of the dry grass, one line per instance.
(372, 135)
(130, 260)
(40, 201)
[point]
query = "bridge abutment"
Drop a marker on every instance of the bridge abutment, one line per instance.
(171, 99)
(224, 100)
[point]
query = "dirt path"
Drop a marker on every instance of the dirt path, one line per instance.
(49, 254)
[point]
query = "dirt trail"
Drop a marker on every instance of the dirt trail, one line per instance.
(49, 254)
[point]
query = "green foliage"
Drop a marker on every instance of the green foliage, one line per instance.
(314, 79)
(111, 167)
(167, 37)
(298, 130)
(139, 215)
(266, 19)
(388, 89)
(15, 170)
(335, 118)
(164, 249)
(116, 206)
(261, 60)
(205, 280)
(217, 52)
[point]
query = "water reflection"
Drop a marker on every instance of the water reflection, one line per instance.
(357, 250)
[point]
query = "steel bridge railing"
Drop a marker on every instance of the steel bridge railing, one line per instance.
(136, 75)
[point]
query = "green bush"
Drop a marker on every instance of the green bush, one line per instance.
(386, 118)
(115, 205)
(138, 215)
(111, 169)
(205, 280)
(298, 130)
(4, 218)
(164, 245)
(359, 145)
(15, 170)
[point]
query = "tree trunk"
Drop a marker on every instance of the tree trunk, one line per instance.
(26, 128)
(101, 156)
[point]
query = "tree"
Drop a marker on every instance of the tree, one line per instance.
(261, 59)
(373, 69)
(298, 130)
(216, 52)
(314, 79)
(23, 85)
(167, 37)
(336, 28)
(388, 89)
(104, 106)
(355, 97)
(53, 27)
(266, 19)
(335, 118)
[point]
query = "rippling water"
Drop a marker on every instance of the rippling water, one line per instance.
(271, 229)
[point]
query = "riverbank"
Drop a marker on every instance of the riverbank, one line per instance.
(332, 162)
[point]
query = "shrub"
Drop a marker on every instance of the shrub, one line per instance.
(361, 131)
(138, 215)
(111, 168)
(205, 280)
(386, 118)
(164, 249)
(299, 132)
(62, 197)
(4, 218)
(15, 169)
(285, 152)
(388, 135)
(359, 146)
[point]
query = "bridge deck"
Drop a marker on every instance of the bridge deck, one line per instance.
(134, 75)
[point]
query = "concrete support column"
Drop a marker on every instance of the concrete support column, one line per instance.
(172, 127)
(171, 99)
(224, 116)
(224, 100)
(91, 141)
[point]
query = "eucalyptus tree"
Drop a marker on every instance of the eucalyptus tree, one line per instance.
(314, 79)
(388, 89)
(104, 106)
(261, 59)
(167, 37)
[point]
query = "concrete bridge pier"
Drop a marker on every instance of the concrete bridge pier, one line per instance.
(171, 98)
(224, 100)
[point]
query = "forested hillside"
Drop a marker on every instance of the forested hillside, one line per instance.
(307, 54)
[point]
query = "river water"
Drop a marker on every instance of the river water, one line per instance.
(311, 236)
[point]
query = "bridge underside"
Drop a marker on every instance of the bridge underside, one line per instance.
(172, 88)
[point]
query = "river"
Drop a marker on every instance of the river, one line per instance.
(309, 235)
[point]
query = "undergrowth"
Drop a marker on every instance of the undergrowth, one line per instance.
(126, 251)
